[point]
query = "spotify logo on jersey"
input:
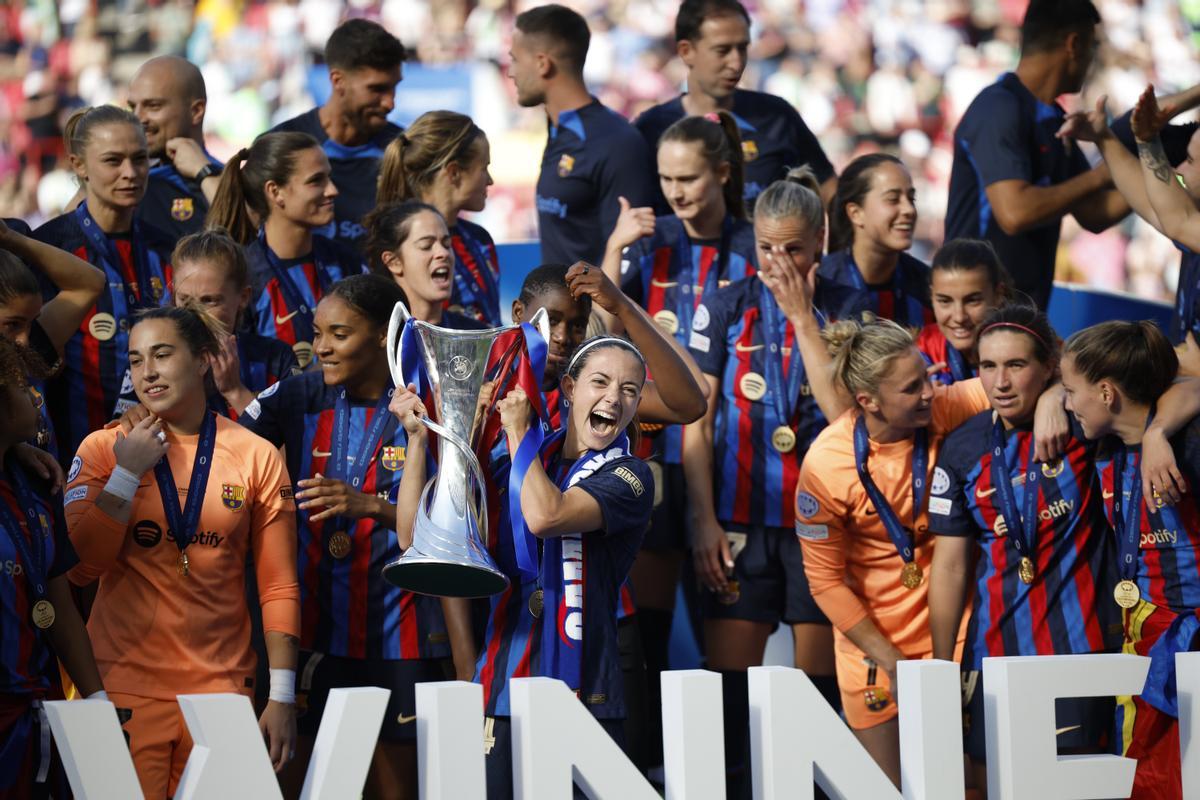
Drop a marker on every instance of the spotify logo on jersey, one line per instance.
(147, 533)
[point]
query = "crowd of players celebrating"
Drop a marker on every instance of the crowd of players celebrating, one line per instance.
(750, 383)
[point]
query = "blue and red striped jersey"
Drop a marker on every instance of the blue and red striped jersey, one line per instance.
(1168, 566)
(476, 291)
(25, 656)
(650, 275)
(936, 350)
(272, 314)
(903, 299)
(624, 489)
(346, 607)
(81, 398)
(753, 483)
(1068, 607)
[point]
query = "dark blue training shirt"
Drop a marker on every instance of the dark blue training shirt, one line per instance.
(1008, 134)
(355, 174)
(592, 157)
(774, 139)
(174, 204)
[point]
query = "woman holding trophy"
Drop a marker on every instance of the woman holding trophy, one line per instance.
(347, 454)
(585, 503)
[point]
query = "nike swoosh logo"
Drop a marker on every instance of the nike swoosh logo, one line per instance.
(403, 720)
(316, 453)
(663, 284)
(283, 320)
(981, 493)
(1107, 494)
(741, 348)
(1068, 729)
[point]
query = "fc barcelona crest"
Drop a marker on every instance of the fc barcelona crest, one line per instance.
(233, 497)
(182, 209)
(749, 150)
(156, 287)
(392, 458)
(876, 698)
(565, 165)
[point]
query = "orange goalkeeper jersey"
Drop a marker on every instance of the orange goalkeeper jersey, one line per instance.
(157, 633)
(852, 566)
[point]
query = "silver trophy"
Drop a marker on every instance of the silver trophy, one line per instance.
(449, 556)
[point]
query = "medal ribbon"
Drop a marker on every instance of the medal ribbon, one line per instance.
(109, 257)
(303, 321)
(914, 312)
(958, 364)
(481, 271)
(342, 469)
(1002, 482)
(561, 657)
(183, 523)
(901, 538)
(685, 300)
(1127, 516)
(774, 333)
(34, 561)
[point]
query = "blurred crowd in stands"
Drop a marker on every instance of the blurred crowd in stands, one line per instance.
(864, 74)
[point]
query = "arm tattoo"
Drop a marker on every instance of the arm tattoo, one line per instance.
(1155, 159)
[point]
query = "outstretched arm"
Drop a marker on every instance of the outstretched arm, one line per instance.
(1174, 207)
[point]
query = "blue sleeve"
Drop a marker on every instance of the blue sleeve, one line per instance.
(633, 261)
(267, 414)
(624, 489)
(998, 145)
(623, 174)
(706, 341)
(64, 552)
(949, 514)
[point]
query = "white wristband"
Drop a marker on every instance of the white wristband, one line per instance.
(122, 484)
(283, 686)
(100, 695)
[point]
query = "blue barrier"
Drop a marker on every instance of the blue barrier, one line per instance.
(1072, 308)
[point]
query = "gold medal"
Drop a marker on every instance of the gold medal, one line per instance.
(1026, 571)
(536, 603)
(783, 439)
(304, 353)
(753, 386)
(185, 566)
(339, 545)
(911, 575)
(102, 326)
(43, 614)
(667, 321)
(1126, 594)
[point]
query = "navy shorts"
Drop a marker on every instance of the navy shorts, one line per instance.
(668, 523)
(1086, 722)
(317, 673)
(771, 586)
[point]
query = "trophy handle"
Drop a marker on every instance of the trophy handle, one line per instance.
(400, 316)
(473, 462)
(541, 322)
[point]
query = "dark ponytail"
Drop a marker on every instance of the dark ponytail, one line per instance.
(852, 187)
(720, 143)
(1135, 356)
(242, 190)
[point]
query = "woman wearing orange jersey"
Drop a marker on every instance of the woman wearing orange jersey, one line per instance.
(170, 615)
(861, 518)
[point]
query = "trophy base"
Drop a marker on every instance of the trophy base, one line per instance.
(431, 576)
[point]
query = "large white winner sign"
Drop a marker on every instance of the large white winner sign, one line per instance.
(796, 739)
